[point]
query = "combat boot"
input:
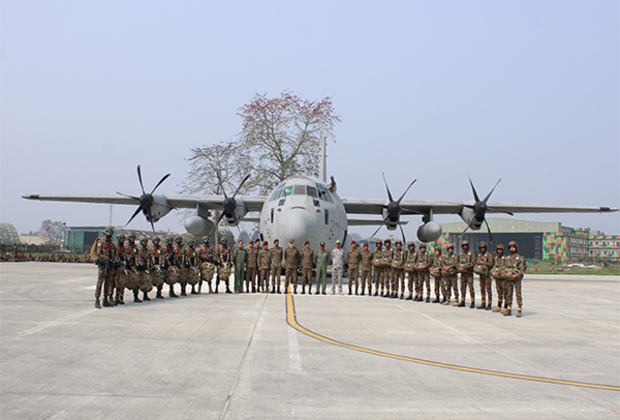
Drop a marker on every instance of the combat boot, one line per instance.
(210, 289)
(402, 296)
(489, 306)
(498, 309)
(106, 302)
(362, 294)
(519, 313)
(228, 289)
(303, 290)
(193, 292)
(317, 292)
(172, 294)
(446, 301)
(472, 305)
(436, 299)
(158, 295)
(97, 303)
(376, 294)
(350, 292)
(483, 305)
(145, 296)
(136, 298)
(461, 304)
(428, 299)
(507, 311)
(183, 293)
(411, 297)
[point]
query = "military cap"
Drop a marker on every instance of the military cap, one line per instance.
(265, 243)
(513, 243)
(337, 241)
(365, 244)
(411, 243)
(398, 241)
(120, 236)
(322, 243)
(131, 236)
(464, 243)
(500, 246)
(450, 246)
(482, 244)
(276, 241)
(291, 241)
(423, 245)
(353, 242)
(307, 243)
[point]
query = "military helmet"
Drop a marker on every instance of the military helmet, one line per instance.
(169, 240)
(120, 236)
(224, 241)
(422, 245)
(438, 248)
(513, 243)
(387, 241)
(500, 246)
(411, 243)
(450, 246)
(190, 242)
(109, 231)
(464, 243)
(205, 240)
(379, 242)
(131, 236)
(482, 244)
(178, 239)
(398, 241)
(156, 240)
(144, 241)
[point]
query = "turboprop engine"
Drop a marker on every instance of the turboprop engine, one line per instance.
(429, 231)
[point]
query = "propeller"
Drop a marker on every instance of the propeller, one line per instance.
(393, 208)
(229, 204)
(145, 201)
(480, 207)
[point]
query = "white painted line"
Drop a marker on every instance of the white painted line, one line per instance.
(293, 350)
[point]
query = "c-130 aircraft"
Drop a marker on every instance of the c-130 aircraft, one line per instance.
(304, 209)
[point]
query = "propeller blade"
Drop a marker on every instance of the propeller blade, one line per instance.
(473, 189)
(241, 185)
(138, 210)
(489, 229)
(466, 227)
(140, 179)
(403, 196)
(150, 215)
(128, 196)
(376, 231)
(160, 181)
(491, 192)
(387, 188)
(219, 179)
(219, 219)
(501, 211)
(403, 233)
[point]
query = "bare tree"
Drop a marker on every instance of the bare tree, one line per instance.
(281, 137)
(54, 231)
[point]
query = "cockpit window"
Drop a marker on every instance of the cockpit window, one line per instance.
(288, 190)
(299, 190)
(311, 191)
(325, 195)
(321, 186)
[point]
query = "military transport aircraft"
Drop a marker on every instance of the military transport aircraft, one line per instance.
(303, 208)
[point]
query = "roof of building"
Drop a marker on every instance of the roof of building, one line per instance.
(510, 225)
(8, 233)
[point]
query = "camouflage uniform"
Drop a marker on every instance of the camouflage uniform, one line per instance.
(291, 263)
(465, 266)
(448, 268)
(172, 271)
(387, 268)
(207, 268)
(354, 256)
(192, 272)
(410, 271)
(338, 261)
(120, 273)
(515, 269)
(144, 269)
(264, 259)
(499, 274)
(224, 267)
(399, 256)
(423, 261)
(307, 261)
(321, 260)
(239, 256)
(366, 270)
(106, 253)
(132, 264)
(251, 265)
(179, 251)
(484, 264)
(158, 259)
(377, 262)
(436, 271)
(276, 253)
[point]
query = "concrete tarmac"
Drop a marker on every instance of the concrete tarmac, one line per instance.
(234, 356)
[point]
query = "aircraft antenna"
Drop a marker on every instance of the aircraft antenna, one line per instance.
(323, 162)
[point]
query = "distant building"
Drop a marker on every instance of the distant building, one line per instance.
(605, 247)
(81, 238)
(8, 234)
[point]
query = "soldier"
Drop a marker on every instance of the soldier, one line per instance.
(465, 266)
(106, 253)
(484, 264)
(307, 261)
(171, 270)
(144, 268)
(192, 272)
(436, 271)
(239, 256)
(448, 268)
(377, 262)
(224, 263)
(398, 273)
(515, 269)
(423, 262)
(276, 265)
(321, 260)
(179, 251)
(132, 263)
(366, 275)
(158, 259)
(410, 271)
(499, 274)
(264, 260)
(386, 261)
(120, 273)
(251, 267)
(338, 261)
(207, 268)
(354, 256)
(291, 262)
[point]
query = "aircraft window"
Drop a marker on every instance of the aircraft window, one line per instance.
(328, 197)
(278, 194)
(272, 215)
(326, 216)
(322, 194)
(321, 186)
(316, 202)
(311, 191)
(299, 190)
(288, 190)
(281, 203)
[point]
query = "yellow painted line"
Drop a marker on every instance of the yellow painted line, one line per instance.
(291, 319)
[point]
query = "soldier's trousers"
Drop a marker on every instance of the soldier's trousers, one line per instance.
(467, 281)
(321, 279)
(388, 275)
(451, 285)
(379, 272)
(439, 287)
(264, 280)
(105, 281)
(275, 278)
(412, 282)
(499, 288)
(250, 280)
(423, 277)
(516, 285)
(291, 278)
(337, 279)
(120, 281)
(366, 277)
(239, 277)
(485, 289)
(306, 277)
(353, 275)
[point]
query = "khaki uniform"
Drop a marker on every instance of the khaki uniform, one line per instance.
(379, 269)
(398, 272)
(207, 268)
(465, 267)
(515, 266)
(172, 271)
(179, 251)
(276, 253)
(437, 272)
(251, 265)
(366, 271)
(291, 263)
(264, 260)
(448, 268)
(106, 254)
(144, 270)
(484, 264)
(224, 267)
(499, 274)
(121, 274)
(354, 257)
(307, 262)
(387, 270)
(423, 261)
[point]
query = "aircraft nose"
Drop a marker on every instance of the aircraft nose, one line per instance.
(299, 225)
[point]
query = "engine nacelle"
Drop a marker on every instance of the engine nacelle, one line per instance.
(199, 226)
(159, 208)
(429, 232)
(238, 213)
(469, 217)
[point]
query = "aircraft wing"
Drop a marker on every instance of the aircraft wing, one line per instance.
(252, 203)
(376, 206)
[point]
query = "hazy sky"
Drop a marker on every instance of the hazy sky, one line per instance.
(526, 91)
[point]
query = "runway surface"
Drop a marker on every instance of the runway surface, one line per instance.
(258, 356)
